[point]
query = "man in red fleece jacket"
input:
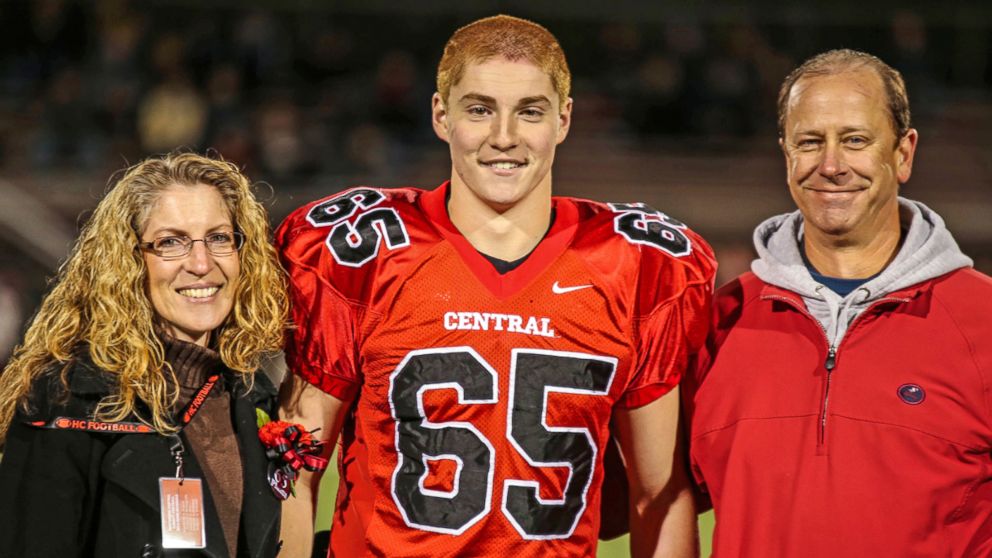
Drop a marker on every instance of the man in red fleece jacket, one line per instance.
(842, 404)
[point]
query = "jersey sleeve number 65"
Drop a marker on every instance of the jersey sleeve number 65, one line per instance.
(533, 375)
(354, 243)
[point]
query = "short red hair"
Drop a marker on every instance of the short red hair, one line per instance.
(512, 38)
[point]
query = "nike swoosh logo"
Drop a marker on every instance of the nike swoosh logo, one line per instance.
(558, 289)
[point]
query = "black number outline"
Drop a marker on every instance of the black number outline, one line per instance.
(345, 238)
(359, 198)
(507, 483)
(487, 507)
(630, 216)
(377, 220)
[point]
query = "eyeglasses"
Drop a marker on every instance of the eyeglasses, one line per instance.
(218, 244)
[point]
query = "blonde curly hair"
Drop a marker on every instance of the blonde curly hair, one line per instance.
(99, 301)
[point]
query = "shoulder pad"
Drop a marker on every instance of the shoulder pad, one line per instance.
(340, 241)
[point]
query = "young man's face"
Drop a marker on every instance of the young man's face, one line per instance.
(843, 158)
(502, 121)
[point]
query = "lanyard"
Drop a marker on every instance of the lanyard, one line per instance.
(126, 427)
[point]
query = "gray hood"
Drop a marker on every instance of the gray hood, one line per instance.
(928, 251)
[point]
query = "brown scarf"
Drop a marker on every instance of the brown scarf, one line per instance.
(211, 433)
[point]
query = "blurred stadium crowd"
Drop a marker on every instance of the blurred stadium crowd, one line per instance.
(296, 93)
(311, 97)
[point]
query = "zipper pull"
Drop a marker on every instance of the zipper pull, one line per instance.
(831, 359)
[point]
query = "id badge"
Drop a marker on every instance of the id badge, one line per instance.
(183, 523)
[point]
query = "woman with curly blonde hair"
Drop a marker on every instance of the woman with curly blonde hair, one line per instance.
(139, 367)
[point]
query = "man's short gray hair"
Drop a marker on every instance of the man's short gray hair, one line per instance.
(843, 60)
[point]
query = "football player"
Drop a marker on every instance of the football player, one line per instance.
(472, 343)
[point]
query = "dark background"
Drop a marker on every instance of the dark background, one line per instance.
(674, 105)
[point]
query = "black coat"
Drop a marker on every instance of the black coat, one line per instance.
(76, 494)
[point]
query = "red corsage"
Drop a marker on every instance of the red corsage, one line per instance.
(289, 448)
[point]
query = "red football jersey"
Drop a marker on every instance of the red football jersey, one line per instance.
(484, 400)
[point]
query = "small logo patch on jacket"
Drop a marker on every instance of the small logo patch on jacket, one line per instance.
(911, 394)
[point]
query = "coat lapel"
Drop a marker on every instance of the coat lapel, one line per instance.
(260, 508)
(137, 461)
